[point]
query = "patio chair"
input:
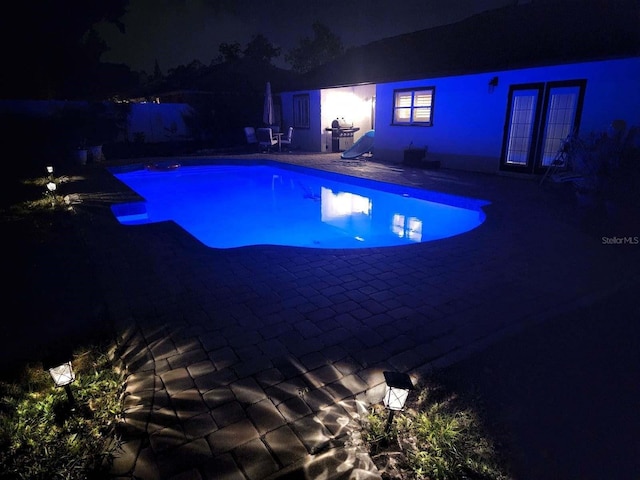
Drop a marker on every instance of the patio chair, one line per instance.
(287, 139)
(561, 168)
(266, 139)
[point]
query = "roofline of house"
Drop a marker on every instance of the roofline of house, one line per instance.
(461, 72)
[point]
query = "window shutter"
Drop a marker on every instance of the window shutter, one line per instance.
(423, 99)
(403, 99)
(413, 106)
(403, 107)
(422, 115)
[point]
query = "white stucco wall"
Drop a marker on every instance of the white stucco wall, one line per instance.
(307, 139)
(613, 92)
(354, 104)
(469, 119)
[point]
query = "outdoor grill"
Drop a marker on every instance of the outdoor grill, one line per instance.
(341, 135)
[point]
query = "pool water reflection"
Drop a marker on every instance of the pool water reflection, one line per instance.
(227, 206)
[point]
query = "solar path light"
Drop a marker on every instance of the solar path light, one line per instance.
(51, 192)
(63, 375)
(396, 393)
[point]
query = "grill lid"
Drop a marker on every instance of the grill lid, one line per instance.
(340, 123)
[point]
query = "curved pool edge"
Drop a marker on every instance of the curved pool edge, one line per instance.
(133, 212)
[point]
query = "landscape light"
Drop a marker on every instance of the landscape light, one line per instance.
(49, 169)
(396, 393)
(63, 376)
(51, 187)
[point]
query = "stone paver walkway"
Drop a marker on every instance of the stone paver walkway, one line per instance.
(258, 362)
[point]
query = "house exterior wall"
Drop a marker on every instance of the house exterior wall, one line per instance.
(306, 139)
(613, 92)
(469, 118)
(353, 103)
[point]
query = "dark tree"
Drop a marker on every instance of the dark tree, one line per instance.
(259, 49)
(51, 49)
(157, 73)
(230, 51)
(313, 52)
(182, 76)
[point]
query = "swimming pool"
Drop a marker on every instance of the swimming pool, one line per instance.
(269, 203)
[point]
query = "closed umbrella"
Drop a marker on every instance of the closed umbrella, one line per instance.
(267, 116)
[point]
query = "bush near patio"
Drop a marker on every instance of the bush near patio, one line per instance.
(609, 164)
(42, 439)
(434, 438)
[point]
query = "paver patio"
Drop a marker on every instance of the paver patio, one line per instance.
(257, 362)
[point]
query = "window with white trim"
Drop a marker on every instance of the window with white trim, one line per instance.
(301, 115)
(413, 107)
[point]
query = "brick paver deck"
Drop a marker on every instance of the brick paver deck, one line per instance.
(257, 362)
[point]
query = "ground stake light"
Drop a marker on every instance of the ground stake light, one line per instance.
(63, 376)
(396, 393)
(51, 187)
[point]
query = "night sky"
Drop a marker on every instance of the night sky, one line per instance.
(176, 32)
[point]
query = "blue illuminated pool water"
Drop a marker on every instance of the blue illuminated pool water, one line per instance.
(226, 206)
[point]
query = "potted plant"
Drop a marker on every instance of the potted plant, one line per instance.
(72, 124)
(82, 152)
(95, 152)
(102, 128)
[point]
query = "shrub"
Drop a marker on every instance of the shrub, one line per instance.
(432, 439)
(42, 438)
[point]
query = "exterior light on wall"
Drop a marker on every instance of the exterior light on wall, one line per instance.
(493, 83)
(396, 393)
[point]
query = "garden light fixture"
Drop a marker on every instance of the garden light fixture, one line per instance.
(493, 83)
(396, 393)
(63, 376)
(398, 387)
(51, 192)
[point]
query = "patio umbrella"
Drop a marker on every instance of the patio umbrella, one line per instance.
(267, 115)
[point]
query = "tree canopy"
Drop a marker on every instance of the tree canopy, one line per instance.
(52, 48)
(261, 50)
(229, 51)
(56, 51)
(313, 52)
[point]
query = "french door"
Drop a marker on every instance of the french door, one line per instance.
(540, 116)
